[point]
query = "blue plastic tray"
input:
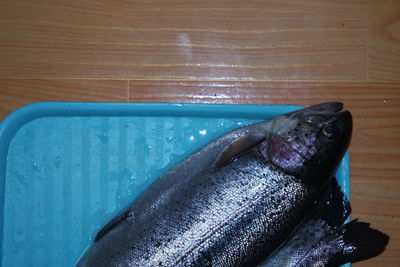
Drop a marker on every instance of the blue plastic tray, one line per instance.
(68, 168)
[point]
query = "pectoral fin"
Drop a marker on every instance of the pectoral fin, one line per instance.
(112, 224)
(241, 144)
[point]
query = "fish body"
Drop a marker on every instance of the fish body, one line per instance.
(235, 201)
(225, 216)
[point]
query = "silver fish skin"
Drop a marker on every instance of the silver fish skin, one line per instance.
(233, 202)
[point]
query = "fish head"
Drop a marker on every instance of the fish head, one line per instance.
(309, 143)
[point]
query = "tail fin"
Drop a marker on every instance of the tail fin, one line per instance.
(361, 242)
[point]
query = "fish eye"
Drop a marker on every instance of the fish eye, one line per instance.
(329, 130)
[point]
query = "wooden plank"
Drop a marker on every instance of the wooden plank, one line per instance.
(384, 40)
(368, 94)
(15, 93)
(228, 40)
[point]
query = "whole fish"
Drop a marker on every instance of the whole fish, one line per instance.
(235, 201)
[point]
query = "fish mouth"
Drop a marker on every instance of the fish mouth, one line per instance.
(331, 108)
(334, 109)
(347, 119)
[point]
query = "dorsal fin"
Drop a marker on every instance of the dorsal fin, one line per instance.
(112, 224)
(235, 148)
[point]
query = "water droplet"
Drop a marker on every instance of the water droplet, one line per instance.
(20, 178)
(36, 168)
(40, 214)
(202, 132)
(65, 192)
(103, 137)
(191, 138)
(20, 231)
(57, 162)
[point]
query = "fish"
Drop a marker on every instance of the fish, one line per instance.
(235, 201)
(325, 240)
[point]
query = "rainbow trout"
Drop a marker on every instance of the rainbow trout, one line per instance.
(235, 201)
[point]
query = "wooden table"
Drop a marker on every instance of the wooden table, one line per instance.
(227, 51)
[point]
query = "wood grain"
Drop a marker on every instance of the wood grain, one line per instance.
(186, 40)
(16, 93)
(230, 52)
(384, 40)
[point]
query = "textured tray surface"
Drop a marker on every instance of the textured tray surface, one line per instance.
(66, 173)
